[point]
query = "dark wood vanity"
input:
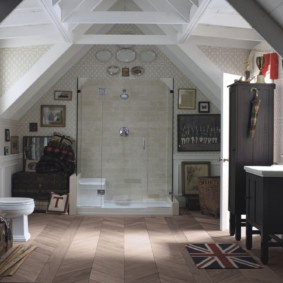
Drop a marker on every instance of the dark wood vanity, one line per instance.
(264, 206)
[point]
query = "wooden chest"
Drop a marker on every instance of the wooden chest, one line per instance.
(39, 185)
(6, 236)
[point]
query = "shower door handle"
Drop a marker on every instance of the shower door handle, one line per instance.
(143, 144)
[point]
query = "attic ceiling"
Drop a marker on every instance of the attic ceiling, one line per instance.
(163, 22)
(177, 27)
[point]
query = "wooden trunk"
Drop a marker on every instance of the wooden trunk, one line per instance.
(6, 237)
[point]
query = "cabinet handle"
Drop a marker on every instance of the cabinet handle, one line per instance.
(223, 159)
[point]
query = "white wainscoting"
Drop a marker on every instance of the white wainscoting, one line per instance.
(178, 158)
(8, 166)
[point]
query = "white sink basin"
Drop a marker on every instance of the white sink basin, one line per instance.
(265, 171)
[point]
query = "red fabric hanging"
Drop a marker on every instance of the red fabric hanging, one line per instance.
(271, 63)
(273, 66)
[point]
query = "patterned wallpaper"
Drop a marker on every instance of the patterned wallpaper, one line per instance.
(16, 61)
(229, 60)
(90, 67)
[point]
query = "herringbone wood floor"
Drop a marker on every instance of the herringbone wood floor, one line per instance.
(114, 249)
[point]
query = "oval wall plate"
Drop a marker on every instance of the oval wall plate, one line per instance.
(147, 56)
(137, 71)
(103, 55)
(126, 55)
(113, 70)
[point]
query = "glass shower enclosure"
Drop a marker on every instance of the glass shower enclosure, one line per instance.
(124, 154)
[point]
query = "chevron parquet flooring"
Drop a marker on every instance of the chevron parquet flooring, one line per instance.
(118, 249)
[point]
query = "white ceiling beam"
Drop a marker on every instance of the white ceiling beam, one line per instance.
(22, 17)
(222, 42)
(114, 17)
(27, 31)
(161, 6)
(227, 32)
(54, 2)
(195, 2)
(79, 30)
(125, 39)
(68, 7)
(196, 14)
(30, 40)
(183, 7)
(62, 28)
(84, 7)
(224, 19)
(261, 21)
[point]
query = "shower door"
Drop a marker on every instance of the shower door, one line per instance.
(136, 165)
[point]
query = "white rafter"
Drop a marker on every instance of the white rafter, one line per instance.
(113, 17)
(103, 39)
(64, 29)
(195, 15)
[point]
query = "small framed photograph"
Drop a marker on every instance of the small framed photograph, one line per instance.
(14, 144)
(33, 127)
(6, 150)
(125, 72)
(62, 95)
(7, 135)
(53, 116)
(187, 98)
(204, 107)
(190, 173)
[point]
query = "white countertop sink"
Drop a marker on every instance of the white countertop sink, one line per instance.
(265, 171)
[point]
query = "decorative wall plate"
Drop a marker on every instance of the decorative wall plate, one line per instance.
(137, 71)
(147, 56)
(126, 55)
(113, 70)
(103, 55)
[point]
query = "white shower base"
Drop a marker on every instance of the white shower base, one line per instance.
(90, 202)
(132, 208)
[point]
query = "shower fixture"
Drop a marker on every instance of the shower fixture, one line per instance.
(124, 94)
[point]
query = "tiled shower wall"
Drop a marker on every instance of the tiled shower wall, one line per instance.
(139, 165)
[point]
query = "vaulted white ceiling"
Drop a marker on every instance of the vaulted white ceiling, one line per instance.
(175, 26)
(168, 22)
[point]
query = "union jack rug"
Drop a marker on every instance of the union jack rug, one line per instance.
(218, 256)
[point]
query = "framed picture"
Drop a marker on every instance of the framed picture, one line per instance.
(53, 116)
(33, 127)
(190, 173)
(62, 95)
(199, 132)
(7, 135)
(6, 150)
(204, 107)
(14, 144)
(125, 72)
(187, 98)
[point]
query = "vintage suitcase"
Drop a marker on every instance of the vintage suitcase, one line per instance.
(6, 236)
(209, 195)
